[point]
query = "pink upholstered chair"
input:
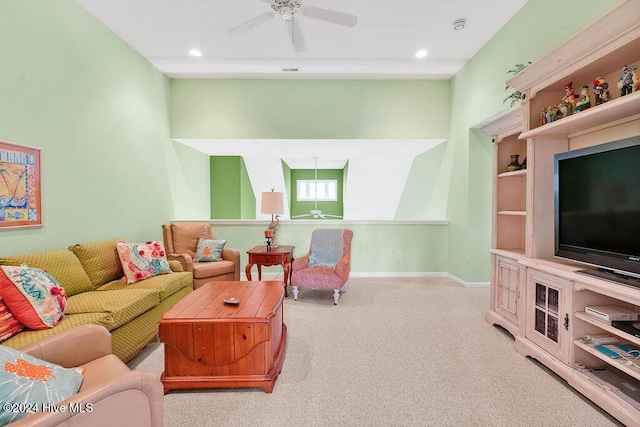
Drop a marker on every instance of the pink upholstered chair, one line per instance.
(326, 265)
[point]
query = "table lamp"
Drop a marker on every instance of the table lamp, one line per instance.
(272, 203)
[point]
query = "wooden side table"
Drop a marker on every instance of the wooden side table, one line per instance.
(279, 255)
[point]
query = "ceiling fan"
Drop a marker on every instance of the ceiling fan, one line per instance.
(288, 11)
(315, 212)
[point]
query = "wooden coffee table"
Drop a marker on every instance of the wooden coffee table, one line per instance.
(212, 344)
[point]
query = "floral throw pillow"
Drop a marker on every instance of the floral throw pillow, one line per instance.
(30, 384)
(33, 296)
(142, 260)
(209, 250)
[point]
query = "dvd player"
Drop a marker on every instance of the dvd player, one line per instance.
(629, 327)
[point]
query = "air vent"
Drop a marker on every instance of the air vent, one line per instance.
(290, 69)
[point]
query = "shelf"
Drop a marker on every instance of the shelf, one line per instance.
(606, 326)
(612, 113)
(511, 253)
(521, 173)
(616, 363)
(512, 213)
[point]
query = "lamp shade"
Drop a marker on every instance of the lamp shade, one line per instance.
(272, 203)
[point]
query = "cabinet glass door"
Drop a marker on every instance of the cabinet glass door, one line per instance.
(546, 319)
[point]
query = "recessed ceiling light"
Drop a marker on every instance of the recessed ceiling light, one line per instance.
(421, 53)
(458, 24)
(195, 52)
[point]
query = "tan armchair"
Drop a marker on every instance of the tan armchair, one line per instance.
(181, 242)
(118, 395)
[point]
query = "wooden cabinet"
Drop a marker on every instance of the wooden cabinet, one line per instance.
(506, 303)
(540, 299)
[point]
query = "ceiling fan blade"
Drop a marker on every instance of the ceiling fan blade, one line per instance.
(301, 216)
(332, 216)
(251, 23)
(297, 38)
(340, 18)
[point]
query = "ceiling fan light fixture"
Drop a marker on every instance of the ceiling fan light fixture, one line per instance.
(421, 53)
(195, 52)
(459, 24)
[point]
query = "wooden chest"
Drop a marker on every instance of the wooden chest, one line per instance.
(209, 343)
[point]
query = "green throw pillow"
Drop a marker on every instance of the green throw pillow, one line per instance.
(209, 250)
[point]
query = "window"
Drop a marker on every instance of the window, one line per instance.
(321, 190)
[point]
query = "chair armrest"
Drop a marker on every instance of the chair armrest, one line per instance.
(73, 347)
(300, 263)
(233, 255)
(343, 267)
(128, 399)
(185, 260)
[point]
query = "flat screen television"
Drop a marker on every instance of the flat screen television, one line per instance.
(597, 209)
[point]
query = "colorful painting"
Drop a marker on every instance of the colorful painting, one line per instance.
(20, 197)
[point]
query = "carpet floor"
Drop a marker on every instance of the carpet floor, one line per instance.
(393, 352)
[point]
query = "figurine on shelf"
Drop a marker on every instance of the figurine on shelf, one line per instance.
(542, 117)
(514, 165)
(636, 78)
(585, 100)
(601, 92)
(564, 111)
(547, 115)
(556, 114)
(625, 82)
(569, 98)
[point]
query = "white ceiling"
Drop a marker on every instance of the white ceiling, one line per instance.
(381, 45)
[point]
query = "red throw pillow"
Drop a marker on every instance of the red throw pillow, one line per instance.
(9, 325)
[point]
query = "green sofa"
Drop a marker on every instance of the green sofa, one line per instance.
(91, 276)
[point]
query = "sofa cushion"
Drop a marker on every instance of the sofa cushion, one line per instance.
(28, 336)
(100, 260)
(176, 266)
(142, 260)
(211, 269)
(9, 325)
(33, 296)
(120, 306)
(61, 264)
(27, 379)
(165, 284)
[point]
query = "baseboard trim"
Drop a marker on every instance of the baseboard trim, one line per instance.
(280, 276)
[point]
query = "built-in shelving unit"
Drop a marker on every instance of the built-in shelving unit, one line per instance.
(540, 299)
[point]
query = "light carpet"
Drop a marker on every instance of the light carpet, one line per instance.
(393, 352)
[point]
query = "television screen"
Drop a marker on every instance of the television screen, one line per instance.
(597, 205)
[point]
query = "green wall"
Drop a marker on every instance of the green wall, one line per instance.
(232, 195)
(421, 185)
(100, 114)
(313, 109)
(327, 207)
(423, 247)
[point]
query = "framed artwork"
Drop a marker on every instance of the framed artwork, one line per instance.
(20, 194)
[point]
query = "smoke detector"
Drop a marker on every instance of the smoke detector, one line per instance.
(458, 24)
